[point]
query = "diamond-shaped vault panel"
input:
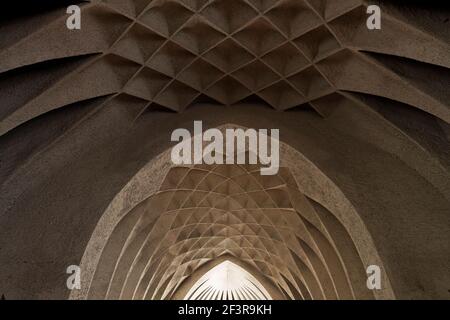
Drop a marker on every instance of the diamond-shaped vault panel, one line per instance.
(227, 50)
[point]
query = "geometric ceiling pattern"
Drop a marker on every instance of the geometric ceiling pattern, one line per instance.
(227, 281)
(209, 49)
(174, 53)
(204, 213)
(82, 111)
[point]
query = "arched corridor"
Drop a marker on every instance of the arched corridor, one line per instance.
(87, 177)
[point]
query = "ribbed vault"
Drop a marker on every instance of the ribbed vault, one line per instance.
(365, 117)
(201, 214)
(227, 281)
(174, 53)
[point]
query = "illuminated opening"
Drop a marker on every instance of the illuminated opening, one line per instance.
(227, 281)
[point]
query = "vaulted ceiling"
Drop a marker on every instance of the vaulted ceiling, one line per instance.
(174, 53)
(204, 213)
(85, 123)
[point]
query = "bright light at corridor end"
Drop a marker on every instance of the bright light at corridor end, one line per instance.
(227, 281)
